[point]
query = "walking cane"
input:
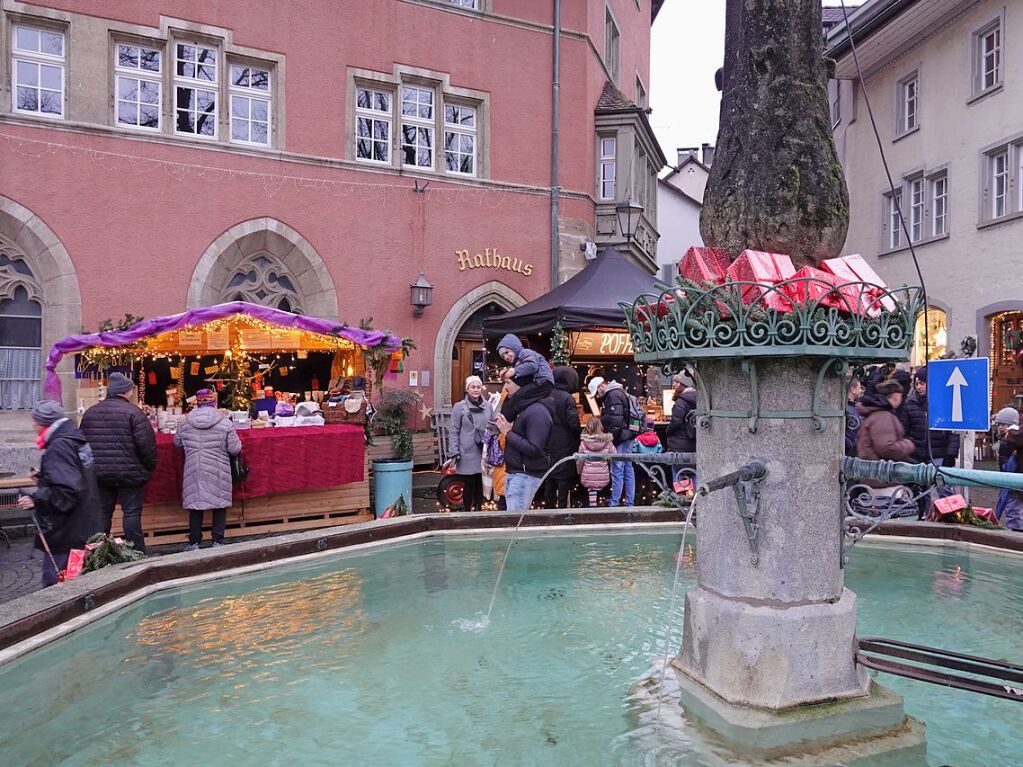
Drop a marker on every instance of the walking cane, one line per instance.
(46, 546)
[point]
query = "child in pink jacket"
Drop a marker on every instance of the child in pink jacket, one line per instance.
(595, 475)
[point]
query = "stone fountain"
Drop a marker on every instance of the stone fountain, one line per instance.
(769, 638)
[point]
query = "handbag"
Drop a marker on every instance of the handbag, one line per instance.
(239, 471)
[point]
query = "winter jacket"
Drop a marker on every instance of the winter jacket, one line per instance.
(881, 434)
(525, 451)
(529, 365)
(681, 430)
(465, 436)
(595, 475)
(914, 423)
(565, 428)
(122, 440)
(208, 439)
(66, 499)
(852, 428)
(648, 443)
(614, 413)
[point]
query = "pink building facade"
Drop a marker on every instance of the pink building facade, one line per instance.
(311, 156)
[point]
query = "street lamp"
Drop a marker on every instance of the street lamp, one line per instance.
(628, 211)
(422, 294)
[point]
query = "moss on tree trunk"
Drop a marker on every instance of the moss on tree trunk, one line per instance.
(776, 183)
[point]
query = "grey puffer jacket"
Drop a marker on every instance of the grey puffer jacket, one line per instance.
(465, 437)
(208, 438)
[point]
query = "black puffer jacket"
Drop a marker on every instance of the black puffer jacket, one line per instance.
(914, 423)
(614, 415)
(682, 427)
(123, 442)
(565, 429)
(525, 450)
(66, 500)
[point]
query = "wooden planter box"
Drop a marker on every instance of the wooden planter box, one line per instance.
(424, 448)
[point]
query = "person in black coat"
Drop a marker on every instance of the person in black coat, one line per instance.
(525, 452)
(681, 429)
(124, 448)
(564, 439)
(853, 420)
(944, 447)
(912, 417)
(65, 500)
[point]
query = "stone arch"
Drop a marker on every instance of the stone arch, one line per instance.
(489, 292)
(27, 236)
(983, 327)
(264, 235)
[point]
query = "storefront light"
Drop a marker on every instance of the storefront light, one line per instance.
(628, 211)
(422, 294)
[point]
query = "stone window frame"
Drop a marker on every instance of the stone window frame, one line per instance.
(375, 117)
(605, 161)
(15, 54)
(907, 90)
(890, 225)
(138, 74)
(933, 179)
(461, 130)
(612, 45)
(891, 228)
(978, 89)
(252, 94)
(1011, 148)
(642, 96)
(196, 84)
(425, 96)
(267, 280)
(444, 93)
(13, 279)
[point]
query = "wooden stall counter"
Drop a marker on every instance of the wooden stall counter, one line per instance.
(299, 477)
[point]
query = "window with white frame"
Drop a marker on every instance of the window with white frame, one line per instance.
(195, 89)
(460, 139)
(998, 186)
(612, 45)
(417, 126)
(137, 85)
(471, 4)
(373, 125)
(606, 167)
(916, 209)
(893, 204)
(37, 64)
(909, 103)
(987, 57)
(939, 204)
(641, 98)
(250, 104)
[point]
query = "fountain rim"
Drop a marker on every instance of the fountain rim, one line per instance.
(76, 604)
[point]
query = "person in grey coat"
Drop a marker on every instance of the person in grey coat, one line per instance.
(208, 438)
(469, 419)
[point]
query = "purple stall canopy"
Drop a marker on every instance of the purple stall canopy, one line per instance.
(159, 325)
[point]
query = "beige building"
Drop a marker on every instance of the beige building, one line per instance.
(945, 81)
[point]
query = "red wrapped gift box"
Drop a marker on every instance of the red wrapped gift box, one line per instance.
(767, 269)
(701, 265)
(988, 515)
(855, 269)
(816, 286)
(949, 505)
(660, 309)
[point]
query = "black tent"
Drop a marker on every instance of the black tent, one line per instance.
(588, 300)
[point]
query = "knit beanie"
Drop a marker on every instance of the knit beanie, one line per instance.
(921, 374)
(682, 379)
(47, 412)
(1007, 416)
(205, 398)
(119, 383)
(473, 380)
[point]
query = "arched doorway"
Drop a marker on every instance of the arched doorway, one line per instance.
(468, 354)
(930, 336)
(1006, 351)
(40, 303)
(266, 262)
(501, 297)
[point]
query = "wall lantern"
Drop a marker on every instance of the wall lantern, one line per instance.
(628, 211)
(422, 294)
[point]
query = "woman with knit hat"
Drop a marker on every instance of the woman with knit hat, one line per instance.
(469, 420)
(209, 440)
(65, 502)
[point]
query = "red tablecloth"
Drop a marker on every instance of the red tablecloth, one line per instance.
(280, 461)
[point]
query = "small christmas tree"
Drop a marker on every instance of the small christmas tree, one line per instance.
(559, 346)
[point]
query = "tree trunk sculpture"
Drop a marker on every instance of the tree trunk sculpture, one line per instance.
(776, 183)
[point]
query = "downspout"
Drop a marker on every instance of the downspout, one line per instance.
(555, 129)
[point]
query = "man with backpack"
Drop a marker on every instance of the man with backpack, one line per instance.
(616, 412)
(682, 428)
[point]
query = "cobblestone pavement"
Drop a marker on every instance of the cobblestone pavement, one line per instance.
(21, 569)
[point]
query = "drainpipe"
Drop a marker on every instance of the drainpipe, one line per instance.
(555, 128)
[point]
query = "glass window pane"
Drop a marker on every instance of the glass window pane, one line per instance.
(382, 101)
(186, 121)
(381, 151)
(363, 149)
(126, 114)
(363, 99)
(467, 144)
(450, 114)
(186, 52)
(467, 162)
(207, 72)
(450, 161)
(50, 103)
(207, 100)
(28, 73)
(26, 38)
(259, 109)
(127, 56)
(186, 69)
(206, 124)
(381, 129)
(259, 79)
(149, 60)
(28, 99)
(240, 76)
(52, 43)
(20, 331)
(127, 88)
(362, 126)
(149, 117)
(149, 92)
(239, 106)
(260, 133)
(50, 77)
(239, 130)
(184, 97)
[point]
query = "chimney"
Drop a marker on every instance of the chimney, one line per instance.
(685, 152)
(708, 155)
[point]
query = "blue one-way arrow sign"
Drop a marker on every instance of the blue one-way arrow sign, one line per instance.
(959, 394)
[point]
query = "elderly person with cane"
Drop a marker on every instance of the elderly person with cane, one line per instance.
(65, 504)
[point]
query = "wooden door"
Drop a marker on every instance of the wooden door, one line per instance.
(462, 355)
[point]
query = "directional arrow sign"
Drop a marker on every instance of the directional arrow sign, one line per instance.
(959, 395)
(957, 381)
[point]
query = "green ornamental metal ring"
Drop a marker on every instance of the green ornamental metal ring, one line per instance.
(806, 316)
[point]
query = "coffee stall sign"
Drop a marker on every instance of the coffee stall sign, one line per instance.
(491, 259)
(596, 343)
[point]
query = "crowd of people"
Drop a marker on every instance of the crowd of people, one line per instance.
(86, 470)
(540, 426)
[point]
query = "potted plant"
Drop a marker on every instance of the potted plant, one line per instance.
(392, 477)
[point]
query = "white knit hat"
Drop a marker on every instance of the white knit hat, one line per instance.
(1007, 416)
(472, 380)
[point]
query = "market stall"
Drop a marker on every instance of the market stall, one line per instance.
(303, 472)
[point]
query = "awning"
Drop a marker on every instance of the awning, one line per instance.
(587, 300)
